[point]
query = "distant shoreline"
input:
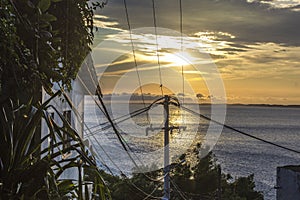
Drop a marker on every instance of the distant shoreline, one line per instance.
(149, 101)
(257, 105)
(234, 104)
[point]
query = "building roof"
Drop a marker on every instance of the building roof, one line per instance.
(295, 168)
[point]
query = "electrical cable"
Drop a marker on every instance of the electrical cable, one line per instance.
(86, 89)
(133, 53)
(178, 190)
(81, 119)
(118, 119)
(130, 115)
(145, 193)
(181, 47)
(78, 115)
(99, 97)
(157, 48)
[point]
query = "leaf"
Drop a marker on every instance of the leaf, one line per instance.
(30, 4)
(44, 5)
(48, 17)
(45, 34)
(40, 175)
(66, 186)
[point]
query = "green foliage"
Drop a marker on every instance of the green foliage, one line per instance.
(242, 189)
(42, 42)
(135, 188)
(203, 181)
(23, 175)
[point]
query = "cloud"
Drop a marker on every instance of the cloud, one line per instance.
(255, 44)
(249, 22)
(278, 3)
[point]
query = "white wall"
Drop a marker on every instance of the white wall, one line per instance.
(88, 77)
(77, 98)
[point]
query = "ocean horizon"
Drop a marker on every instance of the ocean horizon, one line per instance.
(237, 154)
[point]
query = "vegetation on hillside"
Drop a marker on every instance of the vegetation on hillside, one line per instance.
(202, 181)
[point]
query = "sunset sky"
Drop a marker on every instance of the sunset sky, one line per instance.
(254, 46)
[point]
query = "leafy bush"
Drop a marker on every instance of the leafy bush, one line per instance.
(27, 171)
(200, 181)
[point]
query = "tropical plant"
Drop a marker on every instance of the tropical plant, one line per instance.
(42, 42)
(23, 175)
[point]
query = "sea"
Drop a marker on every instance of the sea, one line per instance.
(238, 155)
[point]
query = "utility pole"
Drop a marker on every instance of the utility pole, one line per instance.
(166, 150)
(166, 102)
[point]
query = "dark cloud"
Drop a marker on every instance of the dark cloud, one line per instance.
(241, 46)
(249, 22)
(232, 49)
(214, 56)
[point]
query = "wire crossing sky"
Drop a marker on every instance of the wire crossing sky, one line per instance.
(258, 59)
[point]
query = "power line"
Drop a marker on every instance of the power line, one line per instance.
(201, 196)
(134, 113)
(150, 194)
(239, 131)
(121, 172)
(86, 88)
(181, 47)
(107, 115)
(118, 118)
(103, 162)
(145, 193)
(133, 53)
(95, 85)
(98, 92)
(78, 116)
(181, 193)
(120, 121)
(81, 119)
(157, 49)
(121, 139)
(105, 112)
(123, 142)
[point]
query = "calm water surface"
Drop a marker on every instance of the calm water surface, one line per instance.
(238, 155)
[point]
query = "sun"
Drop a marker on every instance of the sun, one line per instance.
(177, 58)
